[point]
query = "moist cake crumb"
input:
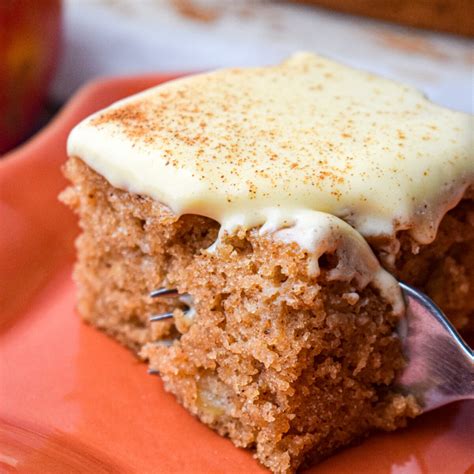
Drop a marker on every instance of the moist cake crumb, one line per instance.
(284, 364)
(281, 205)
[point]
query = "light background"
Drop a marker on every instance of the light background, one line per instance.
(121, 37)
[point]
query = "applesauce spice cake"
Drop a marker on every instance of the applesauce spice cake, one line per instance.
(275, 207)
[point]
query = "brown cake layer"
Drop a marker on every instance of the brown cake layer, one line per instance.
(444, 269)
(283, 363)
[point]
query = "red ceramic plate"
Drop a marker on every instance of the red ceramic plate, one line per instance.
(73, 400)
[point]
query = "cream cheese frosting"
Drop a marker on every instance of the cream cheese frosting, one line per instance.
(260, 146)
(320, 233)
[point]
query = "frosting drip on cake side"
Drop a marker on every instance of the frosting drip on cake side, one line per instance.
(321, 233)
(259, 146)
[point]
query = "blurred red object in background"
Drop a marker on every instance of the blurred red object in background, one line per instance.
(30, 37)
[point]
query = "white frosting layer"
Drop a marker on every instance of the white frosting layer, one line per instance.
(261, 146)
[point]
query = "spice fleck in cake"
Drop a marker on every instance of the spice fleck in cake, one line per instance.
(279, 206)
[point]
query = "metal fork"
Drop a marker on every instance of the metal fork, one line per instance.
(440, 366)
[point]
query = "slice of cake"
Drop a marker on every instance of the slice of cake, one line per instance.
(273, 209)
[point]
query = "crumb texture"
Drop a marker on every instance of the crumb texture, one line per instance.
(445, 269)
(286, 364)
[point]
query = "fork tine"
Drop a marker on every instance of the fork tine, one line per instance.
(163, 292)
(164, 316)
(160, 317)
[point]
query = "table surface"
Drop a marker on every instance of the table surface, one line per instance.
(123, 37)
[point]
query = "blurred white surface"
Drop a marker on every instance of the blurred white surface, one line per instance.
(122, 37)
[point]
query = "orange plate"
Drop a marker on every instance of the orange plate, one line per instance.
(73, 400)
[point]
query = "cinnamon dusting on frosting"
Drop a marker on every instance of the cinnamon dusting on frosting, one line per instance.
(245, 146)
